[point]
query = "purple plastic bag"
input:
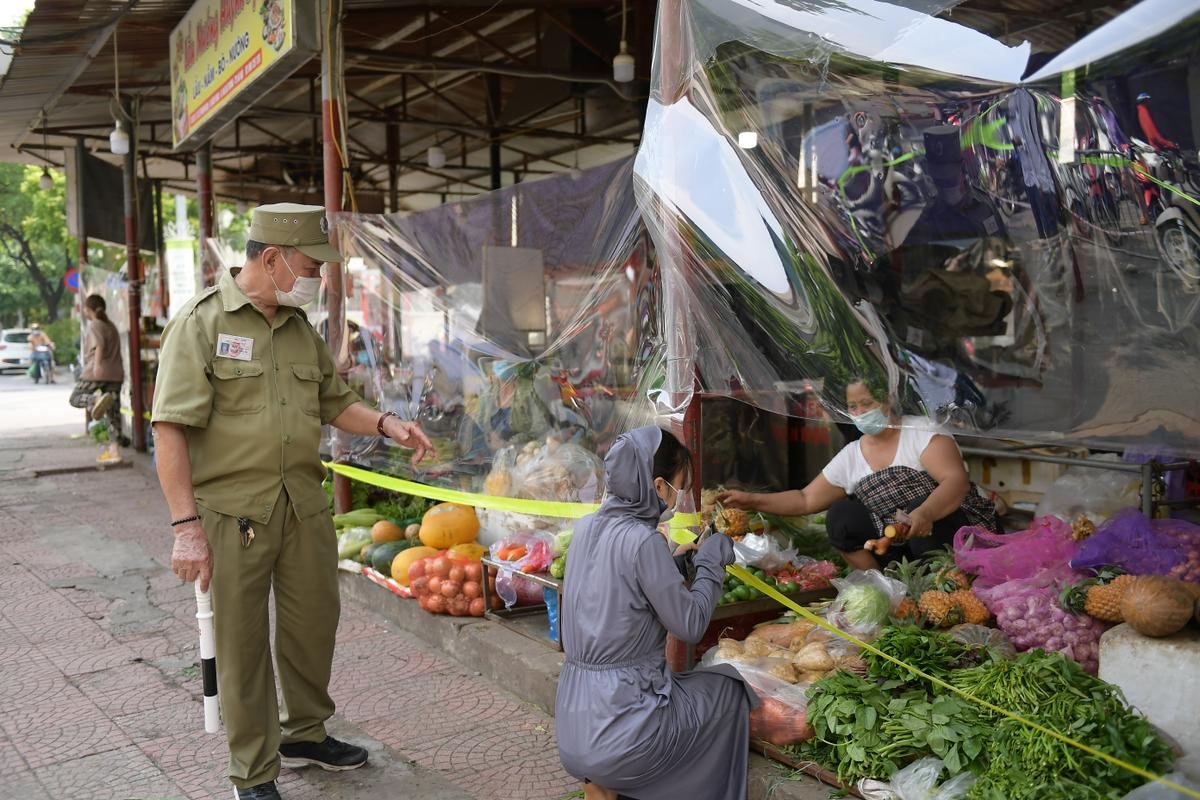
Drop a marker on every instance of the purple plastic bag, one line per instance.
(1135, 544)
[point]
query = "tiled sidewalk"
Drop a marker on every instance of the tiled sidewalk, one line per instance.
(98, 682)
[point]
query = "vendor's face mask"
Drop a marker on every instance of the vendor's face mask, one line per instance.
(872, 422)
(303, 291)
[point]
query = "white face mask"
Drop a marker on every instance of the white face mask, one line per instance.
(303, 292)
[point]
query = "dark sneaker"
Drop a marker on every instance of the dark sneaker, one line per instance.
(103, 403)
(330, 755)
(264, 791)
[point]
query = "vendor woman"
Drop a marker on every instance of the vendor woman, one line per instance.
(899, 464)
(625, 723)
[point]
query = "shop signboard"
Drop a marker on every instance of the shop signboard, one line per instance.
(226, 54)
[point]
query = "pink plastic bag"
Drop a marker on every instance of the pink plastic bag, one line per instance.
(998, 557)
(1028, 612)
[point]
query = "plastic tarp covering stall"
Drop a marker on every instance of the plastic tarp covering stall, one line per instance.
(520, 328)
(840, 189)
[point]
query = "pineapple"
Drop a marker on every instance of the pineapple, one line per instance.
(947, 577)
(732, 521)
(1082, 528)
(973, 610)
(1098, 597)
(908, 611)
(940, 609)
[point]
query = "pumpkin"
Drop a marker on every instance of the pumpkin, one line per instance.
(448, 524)
(469, 551)
(1157, 606)
(405, 558)
(386, 531)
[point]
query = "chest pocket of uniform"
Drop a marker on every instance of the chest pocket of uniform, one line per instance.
(308, 387)
(239, 387)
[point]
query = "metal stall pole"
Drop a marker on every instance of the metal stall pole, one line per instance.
(332, 162)
(204, 196)
(134, 277)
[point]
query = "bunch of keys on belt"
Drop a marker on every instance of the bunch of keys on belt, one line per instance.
(247, 532)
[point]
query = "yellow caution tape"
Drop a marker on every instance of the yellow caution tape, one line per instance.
(747, 577)
(536, 508)
(128, 412)
(678, 527)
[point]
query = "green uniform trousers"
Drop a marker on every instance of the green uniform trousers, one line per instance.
(298, 559)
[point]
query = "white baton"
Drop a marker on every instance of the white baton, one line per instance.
(208, 660)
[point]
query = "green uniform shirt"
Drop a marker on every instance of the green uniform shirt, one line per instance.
(253, 396)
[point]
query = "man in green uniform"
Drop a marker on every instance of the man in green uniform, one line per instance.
(244, 386)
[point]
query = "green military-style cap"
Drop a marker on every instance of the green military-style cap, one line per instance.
(303, 227)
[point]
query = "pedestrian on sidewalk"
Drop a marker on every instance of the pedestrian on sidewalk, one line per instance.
(244, 387)
(99, 384)
(625, 722)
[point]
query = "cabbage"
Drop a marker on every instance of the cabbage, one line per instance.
(865, 605)
(353, 540)
(562, 540)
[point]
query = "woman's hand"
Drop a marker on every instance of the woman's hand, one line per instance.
(736, 498)
(920, 522)
(718, 547)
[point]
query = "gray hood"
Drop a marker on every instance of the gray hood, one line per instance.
(629, 468)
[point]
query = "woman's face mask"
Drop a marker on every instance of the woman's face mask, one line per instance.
(872, 422)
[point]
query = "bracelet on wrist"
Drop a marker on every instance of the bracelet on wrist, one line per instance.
(383, 418)
(185, 520)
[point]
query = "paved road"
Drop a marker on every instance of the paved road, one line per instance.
(98, 678)
(25, 405)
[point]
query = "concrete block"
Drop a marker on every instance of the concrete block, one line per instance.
(1160, 677)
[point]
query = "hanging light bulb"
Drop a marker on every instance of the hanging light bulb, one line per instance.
(748, 140)
(623, 63)
(435, 157)
(118, 140)
(45, 183)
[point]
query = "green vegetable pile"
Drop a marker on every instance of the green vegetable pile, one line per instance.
(871, 726)
(734, 591)
(402, 507)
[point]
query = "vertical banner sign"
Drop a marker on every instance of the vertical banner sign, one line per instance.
(181, 273)
(219, 50)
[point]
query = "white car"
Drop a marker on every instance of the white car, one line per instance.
(15, 352)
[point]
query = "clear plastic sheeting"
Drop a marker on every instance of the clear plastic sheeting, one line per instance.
(520, 328)
(876, 189)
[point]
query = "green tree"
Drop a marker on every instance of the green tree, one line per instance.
(35, 249)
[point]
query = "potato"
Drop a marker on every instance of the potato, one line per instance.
(813, 657)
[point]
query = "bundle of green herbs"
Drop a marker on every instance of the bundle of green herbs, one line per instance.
(872, 726)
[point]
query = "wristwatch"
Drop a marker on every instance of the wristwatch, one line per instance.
(383, 418)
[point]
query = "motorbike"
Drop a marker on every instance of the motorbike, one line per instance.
(1177, 229)
(43, 364)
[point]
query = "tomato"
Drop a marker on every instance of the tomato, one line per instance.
(476, 608)
(451, 589)
(457, 574)
(472, 590)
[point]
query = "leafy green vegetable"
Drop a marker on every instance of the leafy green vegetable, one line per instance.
(932, 652)
(865, 605)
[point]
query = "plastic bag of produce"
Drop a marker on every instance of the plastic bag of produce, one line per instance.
(1028, 612)
(1096, 494)
(865, 602)
(443, 586)
(1142, 547)
(998, 557)
(764, 551)
(1157, 791)
(523, 553)
(781, 688)
(918, 781)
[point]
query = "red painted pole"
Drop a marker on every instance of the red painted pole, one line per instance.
(204, 195)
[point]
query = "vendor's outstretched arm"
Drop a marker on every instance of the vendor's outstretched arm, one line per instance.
(817, 496)
(684, 612)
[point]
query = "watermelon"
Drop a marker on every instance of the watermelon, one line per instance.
(382, 555)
